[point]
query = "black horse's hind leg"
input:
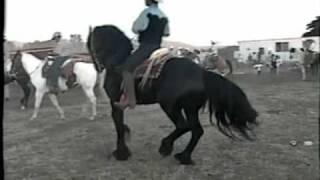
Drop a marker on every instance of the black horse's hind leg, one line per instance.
(197, 131)
(182, 127)
(122, 152)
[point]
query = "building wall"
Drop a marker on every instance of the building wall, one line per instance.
(247, 47)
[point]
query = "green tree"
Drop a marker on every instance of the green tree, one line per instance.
(313, 28)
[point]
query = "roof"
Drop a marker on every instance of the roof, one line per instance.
(168, 44)
(278, 39)
(51, 44)
(177, 44)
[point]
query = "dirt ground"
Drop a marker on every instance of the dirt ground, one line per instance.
(79, 149)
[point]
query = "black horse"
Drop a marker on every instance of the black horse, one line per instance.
(18, 74)
(182, 86)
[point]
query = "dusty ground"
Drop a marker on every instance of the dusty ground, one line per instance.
(76, 148)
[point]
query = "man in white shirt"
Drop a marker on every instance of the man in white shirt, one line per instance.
(151, 25)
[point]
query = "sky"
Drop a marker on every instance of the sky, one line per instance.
(196, 22)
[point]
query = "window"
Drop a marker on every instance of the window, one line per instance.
(282, 47)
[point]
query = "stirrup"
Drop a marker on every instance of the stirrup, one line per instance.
(121, 105)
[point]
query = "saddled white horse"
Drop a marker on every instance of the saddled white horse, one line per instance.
(86, 77)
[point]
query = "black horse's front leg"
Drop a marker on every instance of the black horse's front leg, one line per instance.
(26, 91)
(122, 152)
(112, 86)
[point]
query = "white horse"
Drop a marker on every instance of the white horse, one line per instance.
(86, 77)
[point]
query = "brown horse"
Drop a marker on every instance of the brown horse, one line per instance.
(215, 63)
(193, 55)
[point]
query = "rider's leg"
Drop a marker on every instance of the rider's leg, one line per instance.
(128, 68)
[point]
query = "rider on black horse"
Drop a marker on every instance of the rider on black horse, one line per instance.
(151, 25)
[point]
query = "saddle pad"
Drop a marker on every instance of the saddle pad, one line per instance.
(155, 70)
(152, 67)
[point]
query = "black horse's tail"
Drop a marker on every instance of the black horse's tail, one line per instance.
(229, 64)
(232, 108)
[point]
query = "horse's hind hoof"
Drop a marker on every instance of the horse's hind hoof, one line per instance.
(184, 159)
(122, 155)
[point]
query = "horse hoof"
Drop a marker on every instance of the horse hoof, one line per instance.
(122, 155)
(165, 149)
(184, 159)
(23, 107)
(91, 118)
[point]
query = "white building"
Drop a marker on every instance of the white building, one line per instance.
(279, 47)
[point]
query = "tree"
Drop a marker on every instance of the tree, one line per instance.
(313, 28)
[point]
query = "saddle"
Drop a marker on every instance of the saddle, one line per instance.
(62, 66)
(152, 67)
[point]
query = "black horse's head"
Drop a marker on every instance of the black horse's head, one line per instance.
(16, 65)
(108, 46)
